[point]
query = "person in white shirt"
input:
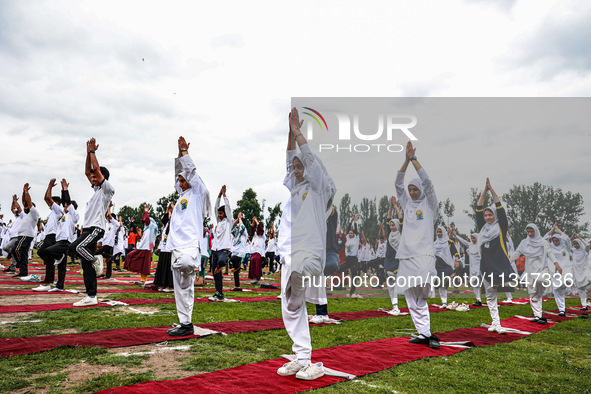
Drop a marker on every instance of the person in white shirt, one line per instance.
(302, 247)
(416, 252)
(581, 269)
(163, 277)
(25, 234)
(50, 231)
(66, 230)
(561, 247)
(239, 249)
(120, 243)
(94, 221)
(352, 255)
(11, 235)
(140, 259)
(270, 250)
(186, 230)
(221, 243)
(257, 251)
(106, 251)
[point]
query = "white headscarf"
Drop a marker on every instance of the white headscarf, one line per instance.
(417, 182)
(579, 254)
(442, 247)
(489, 231)
(473, 247)
(394, 236)
(560, 246)
(533, 247)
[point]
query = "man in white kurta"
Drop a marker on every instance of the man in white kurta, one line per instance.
(186, 230)
(302, 246)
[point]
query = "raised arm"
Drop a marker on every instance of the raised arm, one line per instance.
(92, 164)
(48, 198)
(27, 203)
(65, 193)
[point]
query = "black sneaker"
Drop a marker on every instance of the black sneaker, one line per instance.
(237, 289)
(420, 340)
(216, 297)
(585, 308)
(542, 320)
(562, 314)
(434, 342)
(477, 303)
(535, 320)
(181, 330)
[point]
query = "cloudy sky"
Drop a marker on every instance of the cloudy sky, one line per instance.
(136, 75)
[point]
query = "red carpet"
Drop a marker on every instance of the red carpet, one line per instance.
(358, 359)
(139, 290)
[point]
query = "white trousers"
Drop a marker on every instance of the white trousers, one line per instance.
(491, 301)
(294, 312)
(391, 282)
(559, 297)
(183, 275)
(477, 293)
(443, 294)
(583, 295)
(536, 306)
(416, 299)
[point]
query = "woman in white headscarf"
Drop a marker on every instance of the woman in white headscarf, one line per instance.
(495, 266)
(473, 252)
(302, 247)
(581, 269)
(560, 245)
(416, 254)
(445, 250)
(540, 265)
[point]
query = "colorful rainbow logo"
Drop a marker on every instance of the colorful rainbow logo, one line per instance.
(315, 118)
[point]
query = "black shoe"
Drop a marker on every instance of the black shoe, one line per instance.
(585, 308)
(535, 320)
(181, 330)
(562, 314)
(216, 297)
(584, 316)
(420, 340)
(542, 320)
(434, 342)
(477, 303)
(237, 289)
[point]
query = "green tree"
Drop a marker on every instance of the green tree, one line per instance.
(543, 205)
(274, 214)
(448, 209)
(162, 204)
(345, 214)
(383, 207)
(249, 206)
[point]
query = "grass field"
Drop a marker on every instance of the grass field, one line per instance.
(555, 360)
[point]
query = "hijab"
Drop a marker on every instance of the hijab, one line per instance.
(473, 247)
(489, 231)
(419, 185)
(579, 254)
(442, 246)
(394, 236)
(533, 246)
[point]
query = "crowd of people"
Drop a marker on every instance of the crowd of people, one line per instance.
(409, 252)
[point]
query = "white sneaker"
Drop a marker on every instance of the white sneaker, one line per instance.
(492, 328)
(98, 265)
(167, 290)
(500, 330)
(42, 288)
(319, 319)
(55, 289)
(395, 311)
(86, 301)
(290, 368)
(311, 372)
(443, 306)
(535, 298)
(355, 295)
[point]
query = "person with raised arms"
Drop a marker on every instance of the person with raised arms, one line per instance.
(186, 230)
(302, 246)
(416, 253)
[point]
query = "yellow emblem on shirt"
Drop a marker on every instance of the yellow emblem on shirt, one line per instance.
(304, 196)
(419, 214)
(184, 203)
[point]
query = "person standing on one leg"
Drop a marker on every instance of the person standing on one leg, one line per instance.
(581, 269)
(12, 235)
(221, 244)
(270, 250)
(56, 212)
(163, 277)
(25, 234)
(66, 231)
(540, 265)
(474, 257)
(561, 247)
(257, 251)
(186, 230)
(108, 245)
(302, 246)
(391, 263)
(416, 252)
(94, 221)
(239, 249)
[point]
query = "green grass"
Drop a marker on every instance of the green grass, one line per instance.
(555, 360)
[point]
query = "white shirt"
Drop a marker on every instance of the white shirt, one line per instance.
(222, 237)
(109, 237)
(240, 248)
(257, 245)
(28, 224)
(271, 245)
(97, 206)
(352, 246)
(186, 223)
(67, 225)
(417, 237)
(381, 252)
(13, 229)
(55, 214)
